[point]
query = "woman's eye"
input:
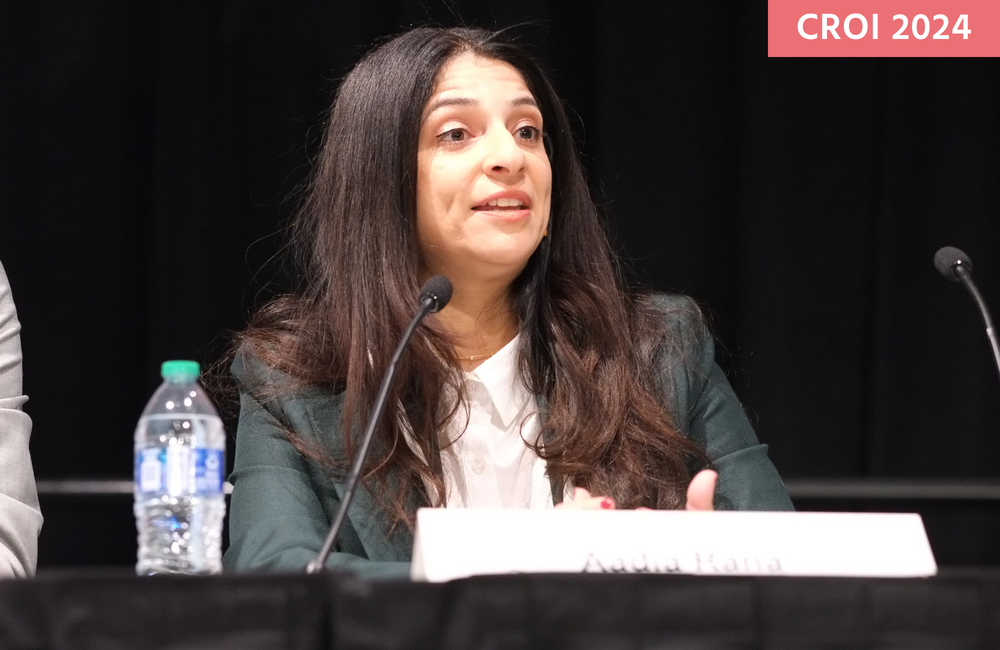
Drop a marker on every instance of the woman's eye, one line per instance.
(453, 135)
(529, 133)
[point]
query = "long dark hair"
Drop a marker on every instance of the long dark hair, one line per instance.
(588, 347)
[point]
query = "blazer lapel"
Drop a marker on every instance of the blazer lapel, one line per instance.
(366, 515)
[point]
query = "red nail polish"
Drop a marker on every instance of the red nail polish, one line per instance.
(607, 504)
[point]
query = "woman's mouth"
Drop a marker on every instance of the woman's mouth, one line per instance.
(505, 202)
(502, 205)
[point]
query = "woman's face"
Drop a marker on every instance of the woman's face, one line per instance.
(484, 183)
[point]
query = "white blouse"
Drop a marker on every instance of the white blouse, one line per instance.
(488, 464)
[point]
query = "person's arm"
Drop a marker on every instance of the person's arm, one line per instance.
(20, 517)
(711, 415)
(277, 517)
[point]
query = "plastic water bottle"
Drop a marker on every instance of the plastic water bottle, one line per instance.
(180, 459)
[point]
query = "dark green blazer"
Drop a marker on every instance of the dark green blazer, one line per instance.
(283, 503)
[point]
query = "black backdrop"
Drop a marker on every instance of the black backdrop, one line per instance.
(149, 154)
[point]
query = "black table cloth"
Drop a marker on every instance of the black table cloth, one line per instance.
(958, 609)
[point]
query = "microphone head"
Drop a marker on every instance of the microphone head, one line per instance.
(948, 259)
(438, 291)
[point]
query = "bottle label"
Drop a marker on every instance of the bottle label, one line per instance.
(179, 470)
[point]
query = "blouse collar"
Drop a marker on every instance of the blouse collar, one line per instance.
(499, 376)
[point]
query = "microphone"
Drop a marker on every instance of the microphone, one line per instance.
(434, 295)
(438, 291)
(957, 267)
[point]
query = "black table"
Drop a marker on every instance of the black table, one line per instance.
(958, 609)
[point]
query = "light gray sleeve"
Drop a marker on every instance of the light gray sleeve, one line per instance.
(20, 517)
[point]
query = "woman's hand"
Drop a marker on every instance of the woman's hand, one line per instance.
(701, 491)
(700, 496)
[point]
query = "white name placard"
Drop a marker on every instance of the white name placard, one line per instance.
(457, 543)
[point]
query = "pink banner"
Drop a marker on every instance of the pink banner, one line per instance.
(883, 28)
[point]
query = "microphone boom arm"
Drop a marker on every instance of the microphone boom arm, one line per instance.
(965, 277)
(428, 304)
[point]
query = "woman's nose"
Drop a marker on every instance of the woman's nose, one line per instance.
(502, 153)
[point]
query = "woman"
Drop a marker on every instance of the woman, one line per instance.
(542, 382)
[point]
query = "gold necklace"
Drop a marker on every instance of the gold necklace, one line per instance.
(477, 357)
